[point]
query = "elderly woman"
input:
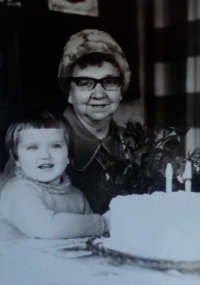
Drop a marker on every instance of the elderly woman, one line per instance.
(94, 75)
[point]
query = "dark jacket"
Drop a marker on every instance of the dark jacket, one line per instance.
(93, 163)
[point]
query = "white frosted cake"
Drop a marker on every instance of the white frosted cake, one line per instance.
(161, 225)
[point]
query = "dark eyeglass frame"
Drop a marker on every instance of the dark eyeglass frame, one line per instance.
(96, 81)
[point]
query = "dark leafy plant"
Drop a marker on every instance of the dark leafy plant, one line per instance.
(147, 152)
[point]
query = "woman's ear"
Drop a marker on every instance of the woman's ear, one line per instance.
(122, 94)
(70, 98)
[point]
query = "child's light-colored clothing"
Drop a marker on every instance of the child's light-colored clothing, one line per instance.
(45, 210)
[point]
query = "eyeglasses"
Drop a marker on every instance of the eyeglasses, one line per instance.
(88, 84)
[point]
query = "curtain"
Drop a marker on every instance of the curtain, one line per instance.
(193, 74)
(173, 65)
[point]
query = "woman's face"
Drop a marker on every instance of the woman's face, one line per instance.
(97, 104)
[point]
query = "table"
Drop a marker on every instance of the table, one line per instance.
(61, 262)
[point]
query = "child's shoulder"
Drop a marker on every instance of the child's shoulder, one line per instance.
(17, 184)
(18, 181)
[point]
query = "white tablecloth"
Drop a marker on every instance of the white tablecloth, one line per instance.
(43, 262)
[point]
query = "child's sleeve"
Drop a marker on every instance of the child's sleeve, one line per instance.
(81, 200)
(24, 207)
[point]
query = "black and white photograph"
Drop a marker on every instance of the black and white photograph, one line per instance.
(99, 142)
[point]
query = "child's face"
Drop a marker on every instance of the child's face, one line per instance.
(42, 154)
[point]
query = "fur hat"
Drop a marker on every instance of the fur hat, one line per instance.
(90, 41)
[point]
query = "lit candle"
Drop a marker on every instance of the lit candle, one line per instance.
(187, 176)
(168, 175)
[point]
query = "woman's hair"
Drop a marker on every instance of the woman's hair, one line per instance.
(93, 59)
(35, 117)
(82, 48)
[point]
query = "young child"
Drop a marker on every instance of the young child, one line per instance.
(40, 201)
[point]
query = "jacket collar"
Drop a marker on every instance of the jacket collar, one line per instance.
(85, 144)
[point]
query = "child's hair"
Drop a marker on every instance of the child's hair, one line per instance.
(36, 117)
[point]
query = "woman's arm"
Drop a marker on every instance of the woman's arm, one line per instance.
(24, 207)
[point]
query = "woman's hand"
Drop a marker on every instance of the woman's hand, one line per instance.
(107, 219)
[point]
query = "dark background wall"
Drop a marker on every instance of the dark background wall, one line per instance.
(31, 43)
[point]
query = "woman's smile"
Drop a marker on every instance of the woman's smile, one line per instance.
(97, 104)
